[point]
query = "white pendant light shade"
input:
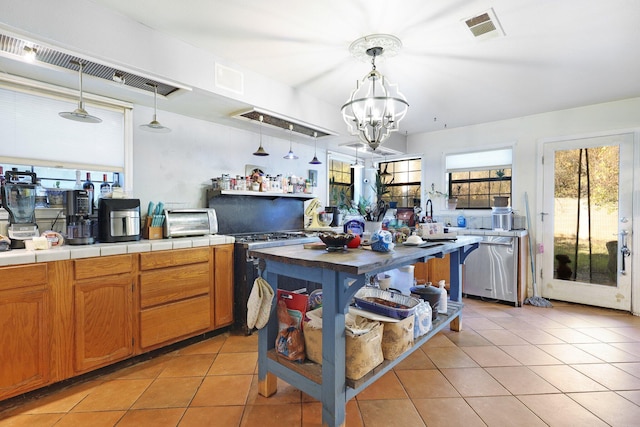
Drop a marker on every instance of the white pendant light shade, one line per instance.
(154, 125)
(80, 114)
(290, 155)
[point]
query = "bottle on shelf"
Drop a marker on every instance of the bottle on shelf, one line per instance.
(105, 187)
(78, 185)
(89, 188)
(116, 180)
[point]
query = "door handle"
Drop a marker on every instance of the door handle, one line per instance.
(624, 250)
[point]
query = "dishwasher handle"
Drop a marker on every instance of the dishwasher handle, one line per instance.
(496, 243)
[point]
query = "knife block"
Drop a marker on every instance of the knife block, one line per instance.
(151, 233)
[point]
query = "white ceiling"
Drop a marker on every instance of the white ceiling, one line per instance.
(556, 54)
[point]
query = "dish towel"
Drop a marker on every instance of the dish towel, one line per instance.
(259, 304)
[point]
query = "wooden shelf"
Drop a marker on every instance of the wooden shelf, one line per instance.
(216, 193)
(313, 371)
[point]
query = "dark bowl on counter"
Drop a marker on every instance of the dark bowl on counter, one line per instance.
(336, 240)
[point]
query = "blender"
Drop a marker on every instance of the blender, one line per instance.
(78, 208)
(19, 199)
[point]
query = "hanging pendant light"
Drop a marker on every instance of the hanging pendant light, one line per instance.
(315, 160)
(375, 107)
(260, 151)
(80, 114)
(154, 125)
(356, 164)
(385, 173)
(290, 155)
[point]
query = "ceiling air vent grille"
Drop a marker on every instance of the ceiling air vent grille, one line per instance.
(281, 122)
(485, 25)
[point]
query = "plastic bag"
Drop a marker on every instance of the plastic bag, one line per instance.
(382, 241)
(290, 341)
(422, 323)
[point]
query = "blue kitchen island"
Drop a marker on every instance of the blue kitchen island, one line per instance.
(341, 275)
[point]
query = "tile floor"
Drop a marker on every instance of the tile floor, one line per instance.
(569, 365)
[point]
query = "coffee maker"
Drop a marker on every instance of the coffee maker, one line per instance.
(78, 208)
(19, 199)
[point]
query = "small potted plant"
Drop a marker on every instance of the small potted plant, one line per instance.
(500, 201)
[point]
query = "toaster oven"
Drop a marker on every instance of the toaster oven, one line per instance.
(190, 222)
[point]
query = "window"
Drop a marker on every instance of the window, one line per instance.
(476, 178)
(340, 183)
(402, 179)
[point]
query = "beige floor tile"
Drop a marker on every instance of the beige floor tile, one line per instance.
(558, 410)
(632, 332)
(479, 323)
(285, 394)
(537, 336)
(447, 412)
(629, 347)
(165, 417)
(272, 416)
(146, 369)
(502, 337)
(439, 340)
(610, 407)
(169, 393)
(234, 364)
(609, 376)
(571, 336)
(490, 356)
(93, 419)
(210, 346)
(466, 338)
(631, 368)
(604, 335)
(449, 357)
(632, 396)
(529, 355)
(113, 395)
(521, 380)
(219, 390)
(59, 402)
(240, 344)
(426, 384)
(30, 420)
(567, 379)
(569, 353)
(212, 416)
(387, 387)
(390, 413)
(504, 411)
(312, 414)
(416, 360)
(474, 382)
(189, 365)
(608, 353)
(511, 323)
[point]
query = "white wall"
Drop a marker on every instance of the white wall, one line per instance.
(177, 167)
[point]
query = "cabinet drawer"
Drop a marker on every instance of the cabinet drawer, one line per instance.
(171, 322)
(22, 276)
(102, 266)
(152, 260)
(173, 284)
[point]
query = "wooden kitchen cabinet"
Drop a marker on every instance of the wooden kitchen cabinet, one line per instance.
(176, 292)
(25, 328)
(223, 283)
(103, 303)
(433, 270)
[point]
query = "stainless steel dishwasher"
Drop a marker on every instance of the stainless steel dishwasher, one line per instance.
(491, 270)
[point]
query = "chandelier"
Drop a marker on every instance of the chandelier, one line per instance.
(375, 107)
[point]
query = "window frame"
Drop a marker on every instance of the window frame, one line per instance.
(408, 189)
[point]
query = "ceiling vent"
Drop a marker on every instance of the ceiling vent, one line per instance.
(484, 26)
(281, 122)
(13, 46)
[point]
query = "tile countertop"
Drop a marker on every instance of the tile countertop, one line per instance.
(485, 232)
(23, 256)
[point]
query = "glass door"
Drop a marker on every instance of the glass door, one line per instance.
(586, 221)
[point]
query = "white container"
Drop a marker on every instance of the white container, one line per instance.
(402, 279)
(442, 305)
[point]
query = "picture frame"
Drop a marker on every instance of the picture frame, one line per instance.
(313, 177)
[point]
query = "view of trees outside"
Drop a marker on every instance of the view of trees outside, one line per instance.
(476, 189)
(586, 214)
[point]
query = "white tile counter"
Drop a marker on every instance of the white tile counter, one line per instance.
(23, 256)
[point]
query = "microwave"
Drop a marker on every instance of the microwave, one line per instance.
(190, 222)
